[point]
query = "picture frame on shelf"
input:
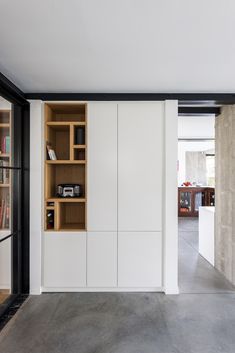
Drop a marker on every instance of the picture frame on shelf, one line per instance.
(51, 153)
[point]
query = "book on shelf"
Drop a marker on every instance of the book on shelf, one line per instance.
(5, 144)
(51, 152)
(5, 213)
(4, 173)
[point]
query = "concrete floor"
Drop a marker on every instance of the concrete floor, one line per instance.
(196, 275)
(196, 322)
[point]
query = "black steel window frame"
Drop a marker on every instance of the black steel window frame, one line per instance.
(20, 195)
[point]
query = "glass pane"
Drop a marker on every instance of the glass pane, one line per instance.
(185, 202)
(5, 199)
(199, 200)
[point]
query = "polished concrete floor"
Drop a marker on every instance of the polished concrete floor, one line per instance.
(196, 275)
(199, 320)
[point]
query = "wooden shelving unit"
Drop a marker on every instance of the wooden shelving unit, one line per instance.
(5, 174)
(191, 198)
(62, 122)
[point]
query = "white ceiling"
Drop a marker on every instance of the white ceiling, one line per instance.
(118, 46)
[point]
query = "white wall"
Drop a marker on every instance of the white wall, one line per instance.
(192, 127)
(196, 126)
(36, 194)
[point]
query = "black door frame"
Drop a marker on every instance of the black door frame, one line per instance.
(20, 171)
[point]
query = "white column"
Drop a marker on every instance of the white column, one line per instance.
(170, 220)
(36, 193)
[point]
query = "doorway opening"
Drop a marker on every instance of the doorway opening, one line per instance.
(196, 206)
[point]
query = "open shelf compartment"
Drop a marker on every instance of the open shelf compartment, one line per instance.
(65, 133)
(72, 112)
(58, 137)
(5, 117)
(64, 174)
(72, 216)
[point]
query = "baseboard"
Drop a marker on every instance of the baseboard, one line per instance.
(97, 289)
(35, 291)
(172, 291)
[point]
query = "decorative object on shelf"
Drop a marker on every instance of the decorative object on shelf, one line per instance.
(187, 183)
(50, 219)
(51, 152)
(69, 190)
(80, 136)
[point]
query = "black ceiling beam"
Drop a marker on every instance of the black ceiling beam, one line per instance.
(10, 92)
(198, 111)
(207, 99)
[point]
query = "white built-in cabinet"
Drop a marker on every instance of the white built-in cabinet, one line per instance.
(102, 259)
(102, 167)
(64, 260)
(140, 259)
(140, 155)
(123, 246)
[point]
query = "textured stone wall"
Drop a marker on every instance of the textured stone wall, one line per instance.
(225, 193)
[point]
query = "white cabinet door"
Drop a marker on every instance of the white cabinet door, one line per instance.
(140, 259)
(64, 259)
(102, 259)
(140, 166)
(102, 167)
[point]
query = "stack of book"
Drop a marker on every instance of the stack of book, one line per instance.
(4, 173)
(5, 213)
(5, 144)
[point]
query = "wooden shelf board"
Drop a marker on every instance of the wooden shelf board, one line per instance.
(73, 227)
(4, 125)
(66, 230)
(58, 123)
(79, 146)
(63, 123)
(4, 185)
(66, 199)
(5, 155)
(78, 123)
(65, 161)
(50, 208)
